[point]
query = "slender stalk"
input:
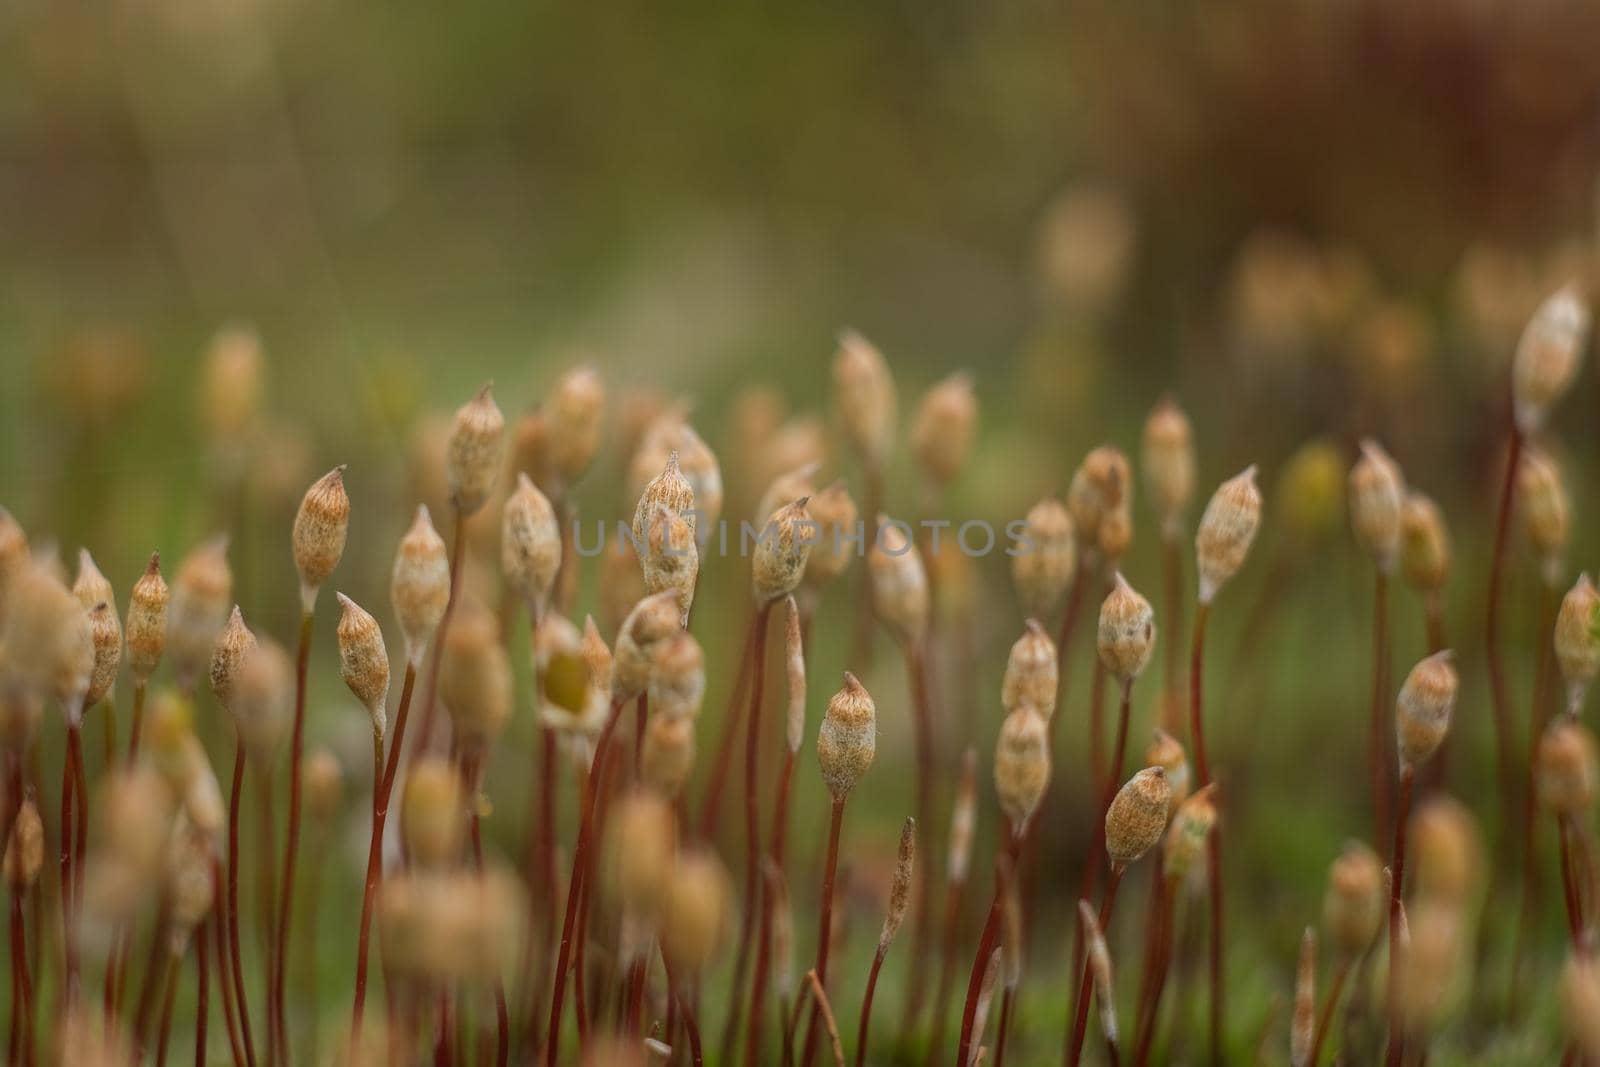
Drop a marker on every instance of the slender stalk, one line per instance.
(1537, 718)
(987, 943)
(954, 892)
(21, 985)
(1158, 961)
(1498, 690)
(430, 687)
(927, 772)
(1085, 982)
(168, 998)
(821, 1007)
(471, 769)
(1380, 724)
(872, 504)
(825, 920)
(712, 807)
(1341, 972)
(1069, 625)
(138, 720)
(1569, 885)
(154, 981)
(758, 986)
(675, 994)
(752, 821)
(575, 883)
(866, 1006)
(236, 961)
(68, 853)
(219, 927)
(383, 786)
(202, 1009)
(1006, 1000)
(1396, 890)
(1172, 611)
(545, 861)
(1214, 839)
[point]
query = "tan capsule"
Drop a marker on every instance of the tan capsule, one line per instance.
(472, 456)
(1166, 752)
(48, 640)
(201, 794)
(147, 621)
(1376, 490)
(1032, 672)
(652, 620)
(106, 634)
(669, 490)
(1546, 511)
(671, 561)
(847, 740)
(1447, 850)
(320, 529)
(364, 662)
(1186, 837)
(795, 661)
(838, 540)
(864, 396)
(1138, 815)
(1424, 544)
(695, 916)
(1430, 963)
(574, 411)
(1046, 559)
(1424, 706)
(941, 434)
(677, 685)
(704, 474)
(778, 558)
(419, 585)
(668, 757)
(1353, 906)
(1576, 642)
(1100, 486)
(598, 662)
(324, 783)
(90, 586)
(1311, 492)
(530, 451)
(1099, 958)
(1169, 465)
(234, 643)
(1580, 1003)
(640, 853)
(900, 596)
(790, 485)
(232, 385)
(432, 813)
(900, 887)
(1226, 531)
(1022, 765)
(1116, 533)
(262, 700)
(570, 701)
(1303, 1023)
(13, 556)
(963, 819)
(1127, 633)
(530, 543)
(1567, 768)
(24, 848)
(475, 676)
(190, 888)
(1549, 355)
(201, 593)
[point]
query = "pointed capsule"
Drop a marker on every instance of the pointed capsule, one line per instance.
(574, 412)
(475, 676)
(1100, 486)
(1377, 489)
(1166, 752)
(364, 661)
(652, 621)
(1549, 355)
(48, 641)
(567, 695)
(1116, 533)
(1577, 640)
(1099, 957)
(1186, 838)
(1424, 544)
(472, 456)
(677, 685)
(1352, 907)
(795, 660)
(147, 621)
(201, 594)
(864, 396)
(847, 740)
(1303, 1023)
(790, 485)
(1127, 632)
(90, 586)
(941, 434)
(1022, 765)
(1567, 769)
(1169, 464)
(419, 585)
(1138, 815)
(320, 529)
(834, 512)
(1546, 510)
(1226, 532)
(530, 543)
(900, 596)
(704, 475)
(669, 490)
(1044, 562)
(900, 887)
(106, 634)
(671, 560)
(234, 643)
(778, 558)
(1424, 706)
(1032, 672)
(668, 757)
(262, 700)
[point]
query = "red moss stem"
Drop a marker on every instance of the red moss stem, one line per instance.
(1396, 891)
(1080, 1022)
(825, 920)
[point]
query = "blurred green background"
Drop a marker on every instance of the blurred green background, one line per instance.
(1300, 218)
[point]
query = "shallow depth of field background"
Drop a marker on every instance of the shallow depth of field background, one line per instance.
(1299, 218)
